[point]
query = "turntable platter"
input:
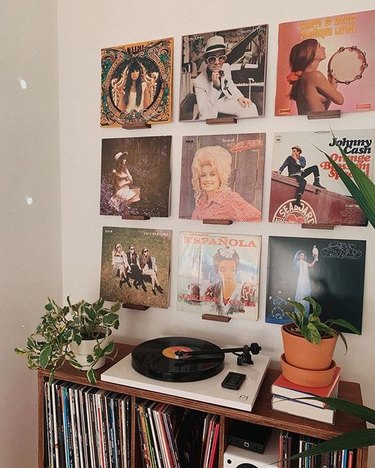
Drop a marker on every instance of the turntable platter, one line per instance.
(157, 359)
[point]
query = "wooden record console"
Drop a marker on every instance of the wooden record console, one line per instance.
(261, 414)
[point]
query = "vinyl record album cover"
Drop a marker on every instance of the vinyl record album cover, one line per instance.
(219, 274)
(135, 176)
(223, 73)
(137, 83)
(329, 270)
(135, 266)
(305, 188)
(326, 64)
(222, 176)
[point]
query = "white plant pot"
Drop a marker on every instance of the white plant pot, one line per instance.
(86, 347)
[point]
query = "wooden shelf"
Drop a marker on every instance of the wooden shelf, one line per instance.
(262, 412)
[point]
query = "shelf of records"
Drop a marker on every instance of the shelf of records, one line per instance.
(218, 274)
(223, 73)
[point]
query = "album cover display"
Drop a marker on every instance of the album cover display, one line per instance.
(223, 73)
(305, 188)
(329, 270)
(326, 64)
(219, 274)
(137, 83)
(135, 266)
(222, 176)
(135, 176)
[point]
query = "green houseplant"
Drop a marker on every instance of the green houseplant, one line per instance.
(63, 329)
(363, 191)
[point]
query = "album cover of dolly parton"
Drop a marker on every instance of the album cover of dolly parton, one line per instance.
(219, 274)
(137, 83)
(326, 64)
(135, 176)
(329, 270)
(135, 266)
(305, 188)
(223, 73)
(222, 176)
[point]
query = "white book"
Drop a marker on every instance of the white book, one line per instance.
(298, 408)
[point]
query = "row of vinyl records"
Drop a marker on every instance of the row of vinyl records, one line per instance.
(89, 427)
(291, 444)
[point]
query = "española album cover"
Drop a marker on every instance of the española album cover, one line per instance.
(222, 177)
(305, 188)
(329, 270)
(326, 64)
(135, 176)
(223, 73)
(219, 274)
(137, 83)
(135, 266)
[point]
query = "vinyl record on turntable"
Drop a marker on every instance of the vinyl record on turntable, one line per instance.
(157, 359)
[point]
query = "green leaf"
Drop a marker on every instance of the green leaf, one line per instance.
(344, 324)
(45, 356)
(109, 319)
(312, 334)
(360, 411)
(91, 376)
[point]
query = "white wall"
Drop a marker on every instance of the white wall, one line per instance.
(30, 236)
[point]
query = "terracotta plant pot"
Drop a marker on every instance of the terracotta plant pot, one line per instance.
(86, 347)
(307, 377)
(301, 353)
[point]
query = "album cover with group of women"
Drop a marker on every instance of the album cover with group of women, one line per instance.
(323, 64)
(219, 274)
(222, 176)
(135, 176)
(326, 64)
(305, 188)
(330, 270)
(135, 266)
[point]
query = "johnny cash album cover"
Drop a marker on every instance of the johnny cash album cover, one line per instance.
(329, 270)
(219, 274)
(326, 64)
(137, 83)
(305, 188)
(223, 73)
(135, 176)
(222, 177)
(135, 266)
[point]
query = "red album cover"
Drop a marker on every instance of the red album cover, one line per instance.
(135, 176)
(219, 274)
(135, 266)
(137, 83)
(326, 64)
(223, 73)
(222, 177)
(305, 188)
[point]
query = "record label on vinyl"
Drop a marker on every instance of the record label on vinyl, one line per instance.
(157, 359)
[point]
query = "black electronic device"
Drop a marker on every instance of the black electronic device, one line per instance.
(233, 380)
(249, 436)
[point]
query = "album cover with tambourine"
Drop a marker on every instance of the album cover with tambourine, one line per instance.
(219, 274)
(326, 64)
(305, 188)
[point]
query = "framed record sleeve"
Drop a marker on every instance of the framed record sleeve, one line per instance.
(219, 274)
(326, 64)
(137, 83)
(135, 266)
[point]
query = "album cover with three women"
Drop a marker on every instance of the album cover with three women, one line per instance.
(305, 188)
(218, 274)
(135, 176)
(223, 73)
(329, 270)
(135, 266)
(222, 177)
(326, 64)
(136, 83)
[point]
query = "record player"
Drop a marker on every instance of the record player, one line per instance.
(193, 369)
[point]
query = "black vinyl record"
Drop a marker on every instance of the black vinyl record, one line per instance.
(157, 359)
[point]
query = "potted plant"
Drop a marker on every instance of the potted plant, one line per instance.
(309, 344)
(63, 331)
